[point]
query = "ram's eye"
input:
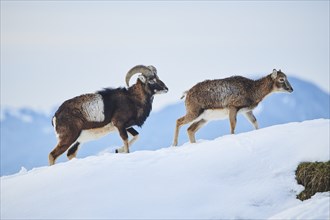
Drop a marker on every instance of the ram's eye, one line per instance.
(152, 81)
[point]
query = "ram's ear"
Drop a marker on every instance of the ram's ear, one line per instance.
(274, 74)
(142, 78)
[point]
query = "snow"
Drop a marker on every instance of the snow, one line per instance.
(247, 175)
(319, 205)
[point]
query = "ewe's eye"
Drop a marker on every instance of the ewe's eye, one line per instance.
(281, 80)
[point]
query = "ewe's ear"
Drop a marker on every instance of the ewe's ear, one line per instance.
(274, 74)
(142, 78)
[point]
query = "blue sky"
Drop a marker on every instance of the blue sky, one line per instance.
(54, 50)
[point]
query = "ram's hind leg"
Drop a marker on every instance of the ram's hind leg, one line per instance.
(67, 136)
(60, 148)
(193, 128)
(72, 152)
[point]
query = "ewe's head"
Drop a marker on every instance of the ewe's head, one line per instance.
(148, 78)
(281, 82)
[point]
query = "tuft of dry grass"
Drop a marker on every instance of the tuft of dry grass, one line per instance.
(314, 176)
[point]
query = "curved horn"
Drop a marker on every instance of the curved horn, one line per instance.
(147, 71)
(153, 69)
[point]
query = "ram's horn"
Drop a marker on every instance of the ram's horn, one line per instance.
(145, 70)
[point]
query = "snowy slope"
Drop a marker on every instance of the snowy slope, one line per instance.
(247, 175)
(27, 137)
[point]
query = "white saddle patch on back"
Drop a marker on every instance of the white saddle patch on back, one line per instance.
(94, 109)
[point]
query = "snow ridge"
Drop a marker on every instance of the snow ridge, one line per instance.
(248, 175)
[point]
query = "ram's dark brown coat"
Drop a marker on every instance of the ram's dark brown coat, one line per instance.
(91, 116)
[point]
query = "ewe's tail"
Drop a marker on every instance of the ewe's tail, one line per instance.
(184, 94)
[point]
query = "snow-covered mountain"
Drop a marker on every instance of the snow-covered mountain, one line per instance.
(27, 137)
(244, 176)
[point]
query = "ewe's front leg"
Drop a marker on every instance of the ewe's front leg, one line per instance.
(249, 115)
(232, 119)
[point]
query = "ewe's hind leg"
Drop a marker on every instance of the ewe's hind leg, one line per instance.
(249, 115)
(72, 152)
(179, 123)
(194, 128)
(135, 135)
(189, 117)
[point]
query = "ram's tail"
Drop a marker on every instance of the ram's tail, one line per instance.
(53, 121)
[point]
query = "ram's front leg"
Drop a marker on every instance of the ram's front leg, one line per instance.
(124, 137)
(135, 135)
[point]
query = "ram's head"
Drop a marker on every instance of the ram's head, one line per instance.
(148, 78)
